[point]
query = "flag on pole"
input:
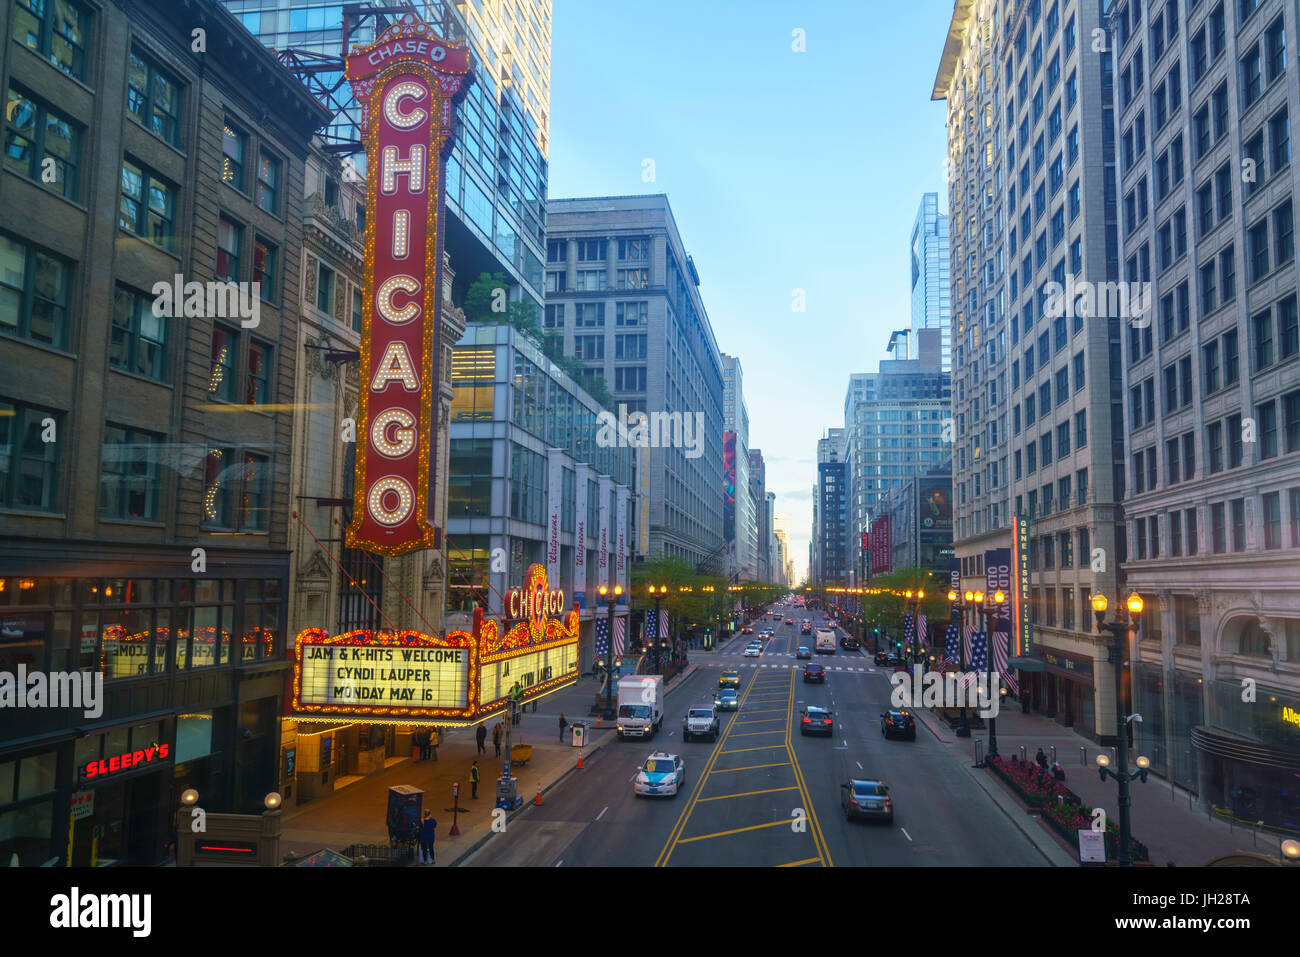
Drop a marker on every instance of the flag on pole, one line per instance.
(651, 628)
(921, 629)
(966, 636)
(950, 644)
(907, 632)
(663, 625)
(1001, 640)
(979, 646)
(620, 633)
(602, 636)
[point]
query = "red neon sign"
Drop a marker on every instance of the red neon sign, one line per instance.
(407, 82)
(128, 759)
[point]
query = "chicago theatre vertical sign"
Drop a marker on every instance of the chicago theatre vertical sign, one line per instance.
(407, 83)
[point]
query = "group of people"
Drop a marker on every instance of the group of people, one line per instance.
(1056, 771)
(498, 735)
(424, 744)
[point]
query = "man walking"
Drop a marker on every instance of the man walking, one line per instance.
(427, 830)
(481, 735)
(473, 780)
(497, 734)
(563, 724)
(424, 744)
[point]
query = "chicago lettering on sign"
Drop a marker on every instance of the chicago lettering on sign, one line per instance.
(407, 83)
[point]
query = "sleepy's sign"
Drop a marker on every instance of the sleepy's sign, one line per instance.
(407, 83)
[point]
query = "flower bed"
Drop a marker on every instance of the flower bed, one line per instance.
(1060, 807)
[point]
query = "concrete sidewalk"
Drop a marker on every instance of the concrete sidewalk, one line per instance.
(1164, 817)
(356, 813)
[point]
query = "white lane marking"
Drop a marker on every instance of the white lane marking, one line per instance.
(846, 743)
(602, 812)
(905, 834)
(559, 862)
(859, 764)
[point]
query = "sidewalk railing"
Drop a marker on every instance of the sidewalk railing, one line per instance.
(1226, 814)
(378, 855)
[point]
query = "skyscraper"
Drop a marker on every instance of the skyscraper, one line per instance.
(1038, 428)
(623, 298)
(497, 169)
(735, 419)
(758, 499)
(930, 288)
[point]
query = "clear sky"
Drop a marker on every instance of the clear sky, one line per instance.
(785, 170)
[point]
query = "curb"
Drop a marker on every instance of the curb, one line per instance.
(1045, 841)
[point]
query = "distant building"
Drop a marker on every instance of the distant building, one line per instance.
(931, 305)
(758, 501)
(920, 521)
(735, 419)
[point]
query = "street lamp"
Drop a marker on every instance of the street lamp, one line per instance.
(1120, 630)
(961, 602)
(610, 596)
(997, 598)
(658, 595)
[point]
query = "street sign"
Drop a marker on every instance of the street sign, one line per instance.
(1092, 846)
(82, 805)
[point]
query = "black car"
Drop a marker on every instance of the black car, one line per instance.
(882, 658)
(816, 720)
(898, 724)
(812, 672)
(867, 799)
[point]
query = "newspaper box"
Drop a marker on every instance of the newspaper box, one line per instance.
(578, 730)
(507, 796)
(405, 804)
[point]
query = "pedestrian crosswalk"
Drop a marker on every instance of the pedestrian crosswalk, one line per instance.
(778, 664)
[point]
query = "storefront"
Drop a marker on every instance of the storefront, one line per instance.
(1064, 690)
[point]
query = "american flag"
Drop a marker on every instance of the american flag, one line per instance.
(907, 632)
(1001, 640)
(650, 627)
(980, 647)
(921, 628)
(620, 633)
(966, 636)
(602, 636)
(663, 625)
(950, 644)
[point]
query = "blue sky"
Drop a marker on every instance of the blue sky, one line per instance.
(785, 171)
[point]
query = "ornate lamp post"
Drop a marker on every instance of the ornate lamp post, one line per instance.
(610, 597)
(658, 595)
(1120, 630)
(960, 603)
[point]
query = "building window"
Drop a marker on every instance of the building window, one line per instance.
(1218, 528)
(634, 249)
(264, 268)
(28, 463)
(55, 30)
(555, 282)
(35, 134)
(589, 347)
(1266, 416)
(554, 316)
(1291, 420)
(590, 315)
(634, 279)
(357, 310)
(630, 347)
(1238, 506)
(591, 280)
(325, 289)
(234, 142)
(631, 313)
(268, 183)
(592, 250)
(128, 487)
(147, 205)
(1262, 339)
(230, 240)
(257, 391)
(1272, 508)
(34, 292)
(234, 495)
(221, 377)
(138, 341)
(557, 251)
(153, 97)
(629, 378)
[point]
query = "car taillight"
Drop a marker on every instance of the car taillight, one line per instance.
(827, 721)
(807, 720)
(889, 802)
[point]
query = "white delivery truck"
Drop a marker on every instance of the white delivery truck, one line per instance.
(640, 706)
(825, 641)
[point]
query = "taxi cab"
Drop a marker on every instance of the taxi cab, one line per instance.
(729, 679)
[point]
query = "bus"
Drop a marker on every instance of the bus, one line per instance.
(825, 643)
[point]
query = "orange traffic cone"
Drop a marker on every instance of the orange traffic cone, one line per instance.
(580, 761)
(538, 802)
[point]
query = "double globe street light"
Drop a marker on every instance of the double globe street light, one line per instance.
(610, 596)
(1120, 630)
(658, 594)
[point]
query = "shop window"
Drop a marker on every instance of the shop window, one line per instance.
(193, 736)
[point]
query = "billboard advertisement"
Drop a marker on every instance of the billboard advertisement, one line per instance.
(934, 505)
(406, 83)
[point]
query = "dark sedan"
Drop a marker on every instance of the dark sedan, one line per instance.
(812, 672)
(882, 658)
(867, 799)
(898, 724)
(817, 721)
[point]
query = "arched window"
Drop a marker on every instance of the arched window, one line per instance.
(1253, 641)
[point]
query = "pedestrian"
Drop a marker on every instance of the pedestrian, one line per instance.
(427, 830)
(1058, 772)
(1041, 758)
(415, 745)
(424, 744)
(481, 735)
(497, 734)
(563, 724)
(434, 737)
(473, 780)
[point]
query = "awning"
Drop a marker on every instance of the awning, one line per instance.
(1226, 744)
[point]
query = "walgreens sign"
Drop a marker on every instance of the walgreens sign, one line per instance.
(407, 83)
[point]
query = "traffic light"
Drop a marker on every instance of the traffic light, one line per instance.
(898, 644)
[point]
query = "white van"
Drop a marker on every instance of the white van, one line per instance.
(825, 643)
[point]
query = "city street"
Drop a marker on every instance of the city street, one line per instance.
(764, 795)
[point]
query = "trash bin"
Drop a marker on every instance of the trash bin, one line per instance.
(578, 730)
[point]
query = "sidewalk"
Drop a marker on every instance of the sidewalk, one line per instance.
(1164, 817)
(356, 814)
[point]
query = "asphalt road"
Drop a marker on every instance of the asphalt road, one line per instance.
(763, 795)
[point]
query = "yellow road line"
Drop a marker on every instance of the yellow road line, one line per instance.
(722, 797)
(809, 860)
(739, 830)
(763, 747)
(774, 711)
(673, 836)
(750, 734)
(751, 767)
(759, 721)
(819, 841)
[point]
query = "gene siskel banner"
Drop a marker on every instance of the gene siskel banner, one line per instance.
(407, 83)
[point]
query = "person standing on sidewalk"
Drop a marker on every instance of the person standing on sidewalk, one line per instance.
(424, 744)
(480, 736)
(427, 831)
(473, 780)
(563, 724)
(497, 733)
